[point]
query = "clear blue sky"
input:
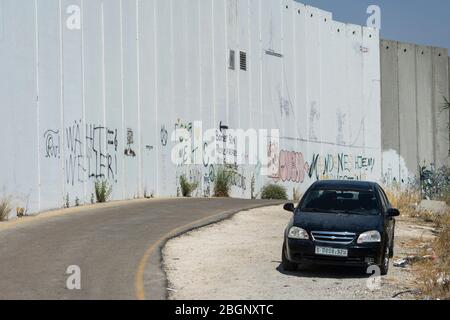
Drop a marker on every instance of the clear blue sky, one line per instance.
(417, 21)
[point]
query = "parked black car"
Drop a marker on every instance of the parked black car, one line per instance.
(341, 223)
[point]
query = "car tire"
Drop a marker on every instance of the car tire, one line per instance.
(285, 263)
(384, 266)
(391, 254)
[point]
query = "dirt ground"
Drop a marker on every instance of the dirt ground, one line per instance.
(240, 259)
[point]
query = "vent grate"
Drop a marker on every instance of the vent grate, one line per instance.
(243, 60)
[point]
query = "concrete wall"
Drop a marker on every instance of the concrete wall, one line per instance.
(101, 100)
(414, 82)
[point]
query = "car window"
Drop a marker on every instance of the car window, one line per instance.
(384, 200)
(386, 197)
(341, 201)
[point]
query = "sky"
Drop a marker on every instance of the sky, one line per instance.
(425, 22)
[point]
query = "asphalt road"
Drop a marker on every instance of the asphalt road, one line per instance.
(117, 248)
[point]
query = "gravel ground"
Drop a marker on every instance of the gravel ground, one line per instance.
(240, 259)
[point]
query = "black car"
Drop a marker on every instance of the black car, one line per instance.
(341, 223)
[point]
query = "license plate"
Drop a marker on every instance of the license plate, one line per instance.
(323, 251)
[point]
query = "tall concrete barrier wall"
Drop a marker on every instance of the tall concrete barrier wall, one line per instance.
(94, 89)
(414, 126)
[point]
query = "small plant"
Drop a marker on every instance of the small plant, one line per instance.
(434, 183)
(20, 212)
(222, 183)
(446, 195)
(148, 195)
(102, 191)
(274, 192)
(252, 188)
(186, 187)
(77, 202)
(67, 202)
(446, 103)
(4, 209)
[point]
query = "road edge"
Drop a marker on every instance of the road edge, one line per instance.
(158, 247)
(54, 213)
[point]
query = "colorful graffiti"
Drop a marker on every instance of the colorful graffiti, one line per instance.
(293, 167)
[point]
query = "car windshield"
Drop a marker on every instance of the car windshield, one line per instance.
(341, 201)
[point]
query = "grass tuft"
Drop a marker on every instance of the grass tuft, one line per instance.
(405, 200)
(5, 209)
(186, 187)
(222, 183)
(274, 192)
(102, 191)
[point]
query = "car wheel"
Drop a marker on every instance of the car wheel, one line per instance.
(285, 263)
(391, 253)
(384, 267)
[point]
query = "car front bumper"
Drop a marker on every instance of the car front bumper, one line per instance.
(304, 252)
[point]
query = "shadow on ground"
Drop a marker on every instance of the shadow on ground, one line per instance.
(325, 272)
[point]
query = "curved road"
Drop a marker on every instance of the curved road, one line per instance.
(117, 248)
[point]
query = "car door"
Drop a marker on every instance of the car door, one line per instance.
(389, 221)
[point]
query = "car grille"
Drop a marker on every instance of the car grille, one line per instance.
(333, 237)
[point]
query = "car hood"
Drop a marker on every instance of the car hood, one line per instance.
(315, 221)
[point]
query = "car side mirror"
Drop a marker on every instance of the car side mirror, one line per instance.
(393, 212)
(289, 207)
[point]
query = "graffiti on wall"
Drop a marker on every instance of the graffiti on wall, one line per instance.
(101, 157)
(88, 154)
(164, 136)
(52, 144)
(188, 153)
(74, 154)
(224, 152)
(273, 159)
(293, 167)
(129, 152)
(226, 146)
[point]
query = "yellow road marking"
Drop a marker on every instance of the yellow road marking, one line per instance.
(139, 279)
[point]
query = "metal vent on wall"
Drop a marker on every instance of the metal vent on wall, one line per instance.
(243, 60)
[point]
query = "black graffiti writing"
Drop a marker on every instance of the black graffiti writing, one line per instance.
(91, 154)
(222, 127)
(363, 163)
(129, 152)
(74, 154)
(112, 139)
(164, 135)
(52, 144)
(101, 159)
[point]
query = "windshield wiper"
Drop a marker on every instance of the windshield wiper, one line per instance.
(320, 210)
(351, 212)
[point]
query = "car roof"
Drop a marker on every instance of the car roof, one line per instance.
(339, 184)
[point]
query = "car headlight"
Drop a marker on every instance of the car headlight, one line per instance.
(369, 237)
(298, 233)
